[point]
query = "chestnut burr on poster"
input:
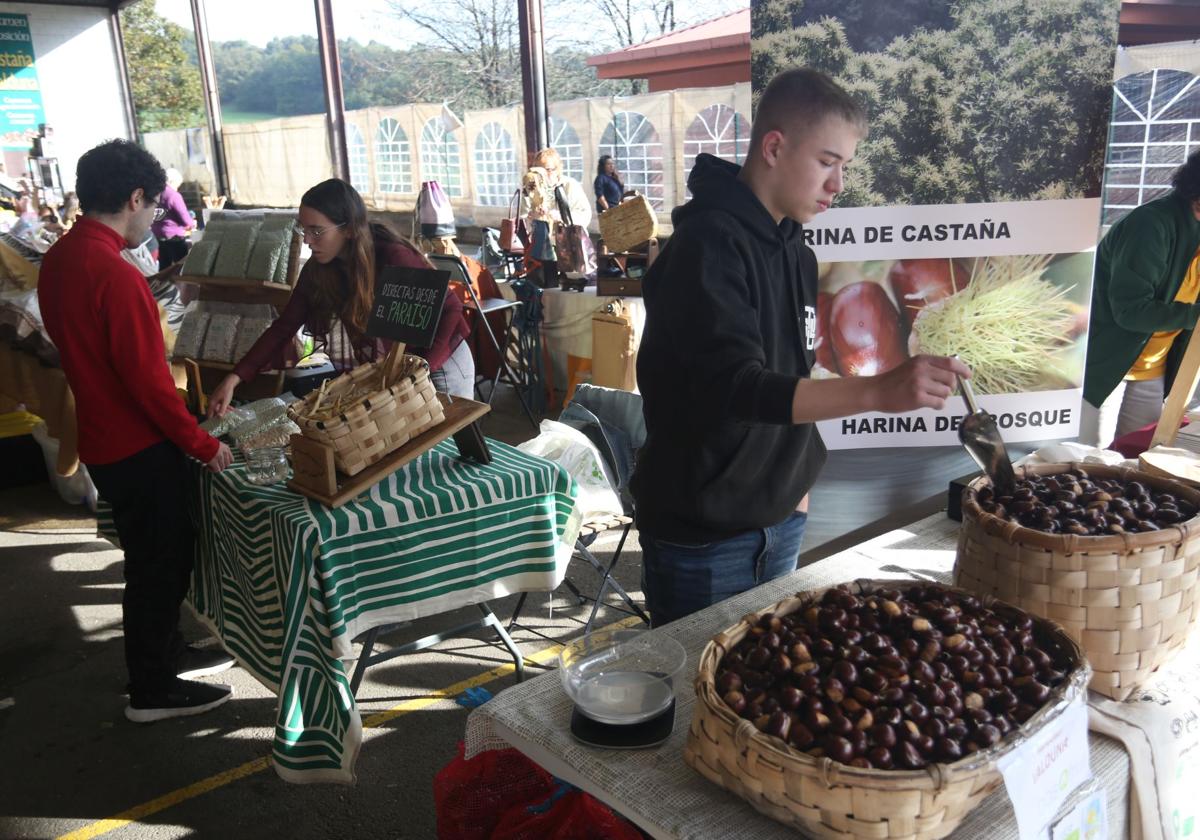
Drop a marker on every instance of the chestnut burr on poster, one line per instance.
(971, 212)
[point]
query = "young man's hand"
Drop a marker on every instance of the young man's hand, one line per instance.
(921, 382)
(221, 460)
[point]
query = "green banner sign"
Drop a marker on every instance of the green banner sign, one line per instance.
(20, 94)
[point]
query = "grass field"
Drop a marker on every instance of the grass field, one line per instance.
(245, 116)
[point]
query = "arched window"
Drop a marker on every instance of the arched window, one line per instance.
(634, 142)
(356, 147)
(393, 159)
(496, 175)
(718, 130)
(440, 160)
(565, 140)
(1155, 126)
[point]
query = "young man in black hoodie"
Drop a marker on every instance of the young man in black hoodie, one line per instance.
(721, 484)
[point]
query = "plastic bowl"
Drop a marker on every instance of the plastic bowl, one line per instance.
(621, 676)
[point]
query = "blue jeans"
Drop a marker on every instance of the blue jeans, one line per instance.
(679, 579)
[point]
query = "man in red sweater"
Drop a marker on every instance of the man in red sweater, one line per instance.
(134, 431)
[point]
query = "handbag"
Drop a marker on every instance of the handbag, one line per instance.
(434, 213)
(572, 245)
(513, 232)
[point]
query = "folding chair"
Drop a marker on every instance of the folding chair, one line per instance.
(613, 421)
(483, 308)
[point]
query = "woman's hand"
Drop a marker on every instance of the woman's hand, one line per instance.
(219, 399)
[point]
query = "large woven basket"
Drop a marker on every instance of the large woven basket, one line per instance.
(1129, 599)
(363, 418)
(827, 799)
(629, 224)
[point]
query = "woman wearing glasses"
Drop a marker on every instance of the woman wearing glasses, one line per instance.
(332, 299)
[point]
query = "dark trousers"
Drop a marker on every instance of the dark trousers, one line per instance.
(149, 498)
(171, 251)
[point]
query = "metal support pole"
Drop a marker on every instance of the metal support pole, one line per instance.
(114, 22)
(533, 76)
(212, 99)
(335, 105)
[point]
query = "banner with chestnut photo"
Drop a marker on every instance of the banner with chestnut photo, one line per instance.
(971, 213)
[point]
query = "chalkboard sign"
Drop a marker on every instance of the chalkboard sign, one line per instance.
(408, 304)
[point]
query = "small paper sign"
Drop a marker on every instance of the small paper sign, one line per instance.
(1042, 772)
(408, 304)
(1087, 821)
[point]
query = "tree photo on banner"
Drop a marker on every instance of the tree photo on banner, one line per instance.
(971, 211)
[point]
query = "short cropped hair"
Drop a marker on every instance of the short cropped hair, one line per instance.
(803, 97)
(108, 174)
(1186, 180)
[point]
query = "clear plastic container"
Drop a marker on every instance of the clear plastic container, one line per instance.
(266, 465)
(621, 676)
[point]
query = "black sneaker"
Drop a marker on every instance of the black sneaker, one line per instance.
(180, 700)
(202, 662)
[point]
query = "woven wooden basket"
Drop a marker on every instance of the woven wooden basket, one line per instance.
(1129, 599)
(363, 417)
(827, 799)
(629, 224)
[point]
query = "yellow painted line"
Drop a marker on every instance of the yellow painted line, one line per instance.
(191, 791)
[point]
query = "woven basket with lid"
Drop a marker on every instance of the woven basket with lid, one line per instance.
(824, 798)
(629, 224)
(363, 418)
(1130, 600)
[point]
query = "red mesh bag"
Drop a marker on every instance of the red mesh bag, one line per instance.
(470, 797)
(566, 814)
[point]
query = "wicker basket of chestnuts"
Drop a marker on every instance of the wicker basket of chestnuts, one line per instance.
(878, 708)
(1110, 554)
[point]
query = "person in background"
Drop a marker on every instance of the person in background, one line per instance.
(176, 223)
(134, 431)
(541, 208)
(70, 210)
(721, 484)
(333, 296)
(607, 186)
(1144, 308)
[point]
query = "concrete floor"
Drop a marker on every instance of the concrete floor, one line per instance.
(71, 765)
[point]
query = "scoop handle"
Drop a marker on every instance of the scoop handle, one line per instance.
(968, 394)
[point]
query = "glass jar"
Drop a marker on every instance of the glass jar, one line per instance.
(266, 465)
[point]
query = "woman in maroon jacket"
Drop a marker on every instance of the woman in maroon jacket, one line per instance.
(332, 299)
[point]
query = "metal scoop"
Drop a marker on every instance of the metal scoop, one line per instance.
(981, 438)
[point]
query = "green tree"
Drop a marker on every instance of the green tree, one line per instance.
(1008, 102)
(165, 84)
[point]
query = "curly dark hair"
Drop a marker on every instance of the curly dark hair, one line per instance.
(107, 175)
(1186, 179)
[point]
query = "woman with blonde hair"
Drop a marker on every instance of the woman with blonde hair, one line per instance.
(545, 176)
(333, 296)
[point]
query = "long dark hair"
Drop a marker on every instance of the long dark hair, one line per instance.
(604, 159)
(345, 287)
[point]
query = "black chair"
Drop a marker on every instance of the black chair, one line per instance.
(612, 420)
(484, 308)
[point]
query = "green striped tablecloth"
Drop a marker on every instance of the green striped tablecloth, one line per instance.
(286, 583)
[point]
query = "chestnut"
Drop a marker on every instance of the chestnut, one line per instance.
(838, 748)
(790, 697)
(880, 757)
(845, 672)
(728, 681)
(779, 724)
(735, 700)
(947, 749)
(907, 756)
(800, 736)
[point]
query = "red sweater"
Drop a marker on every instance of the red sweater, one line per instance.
(100, 314)
(273, 349)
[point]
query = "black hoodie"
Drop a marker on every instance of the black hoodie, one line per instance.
(730, 321)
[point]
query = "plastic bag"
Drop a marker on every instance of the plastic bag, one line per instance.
(567, 814)
(571, 449)
(470, 797)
